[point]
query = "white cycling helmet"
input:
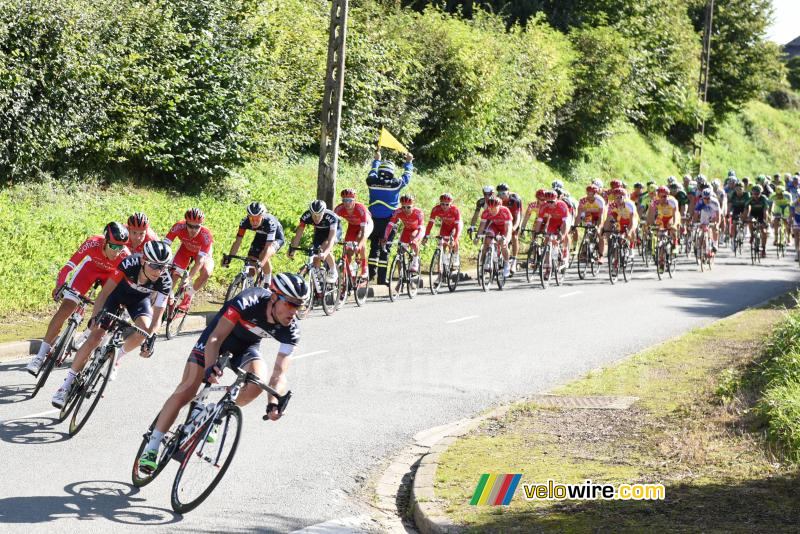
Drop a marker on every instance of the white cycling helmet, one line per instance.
(255, 209)
(157, 252)
(291, 286)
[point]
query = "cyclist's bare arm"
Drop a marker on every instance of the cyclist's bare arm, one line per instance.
(474, 217)
(278, 381)
(235, 246)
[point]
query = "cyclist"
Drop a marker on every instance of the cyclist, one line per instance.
(556, 213)
(707, 213)
(139, 232)
(766, 188)
(238, 327)
(795, 211)
(623, 212)
(327, 232)
(637, 193)
(480, 206)
(129, 287)
(794, 186)
(413, 221)
(781, 202)
(533, 208)
(563, 195)
(757, 210)
(266, 243)
(448, 213)
(496, 222)
(513, 202)
(196, 241)
(359, 225)
(384, 195)
(737, 205)
(93, 262)
(665, 212)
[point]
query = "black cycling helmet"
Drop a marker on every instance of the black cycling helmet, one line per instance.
(157, 252)
(502, 188)
(255, 209)
(317, 206)
(116, 233)
(138, 221)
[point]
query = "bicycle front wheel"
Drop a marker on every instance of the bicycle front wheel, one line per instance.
(91, 392)
(613, 263)
(345, 281)
(206, 461)
(236, 287)
(530, 262)
(330, 296)
(545, 268)
(584, 257)
(453, 273)
(396, 276)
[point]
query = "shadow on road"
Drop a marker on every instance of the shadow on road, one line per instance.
(95, 499)
(31, 431)
(13, 393)
(721, 298)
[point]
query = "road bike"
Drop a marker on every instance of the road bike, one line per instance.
(551, 264)
(620, 256)
(588, 251)
(250, 275)
(205, 443)
(64, 346)
(665, 257)
(755, 242)
(88, 386)
(400, 276)
(350, 281)
(443, 266)
(175, 315)
(491, 263)
(704, 255)
(322, 292)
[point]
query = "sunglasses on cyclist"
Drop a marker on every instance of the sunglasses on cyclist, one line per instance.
(114, 246)
(192, 226)
(407, 207)
(157, 266)
(292, 303)
(348, 200)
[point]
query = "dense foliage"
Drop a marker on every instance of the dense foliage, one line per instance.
(184, 91)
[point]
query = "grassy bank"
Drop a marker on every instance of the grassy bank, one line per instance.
(718, 474)
(42, 224)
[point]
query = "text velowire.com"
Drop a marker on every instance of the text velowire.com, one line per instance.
(551, 491)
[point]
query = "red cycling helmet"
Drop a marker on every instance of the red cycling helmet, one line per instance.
(662, 191)
(540, 194)
(194, 216)
(407, 200)
(445, 197)
(493, 201)
(618, 191)
(550, 195)
(591, 188)
(348, 193)
(138, 221)
(615, 184)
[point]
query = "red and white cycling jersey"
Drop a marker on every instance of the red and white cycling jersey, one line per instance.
(450, 217)
(496, 223)
(360, 215)
(150, 235)
(411, 222)
(557, 212)
(199, 245)
(88, 265)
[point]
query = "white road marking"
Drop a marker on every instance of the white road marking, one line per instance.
(347, 525)
(48, 412)
(309, 354)
(572, 294)
(467, 318)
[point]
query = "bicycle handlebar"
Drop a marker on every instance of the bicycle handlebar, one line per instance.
(66, 289)
(224, 361)
(123, 322)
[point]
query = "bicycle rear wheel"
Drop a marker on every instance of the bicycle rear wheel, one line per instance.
(92, 391)
(435, 272)
(168, 446)
(205, 463)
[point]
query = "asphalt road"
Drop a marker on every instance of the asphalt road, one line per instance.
(365, 381)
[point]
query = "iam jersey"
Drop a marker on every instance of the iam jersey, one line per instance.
(128, 289)
(90, 258)
(199, 245)
(513, 202)
(451, 219)
(329, 220)
(248, 312)
(270, 229)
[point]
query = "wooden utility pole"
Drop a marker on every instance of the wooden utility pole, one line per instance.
(705, 62)
(332, 103)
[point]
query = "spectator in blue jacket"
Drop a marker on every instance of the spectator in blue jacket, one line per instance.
(384, 199)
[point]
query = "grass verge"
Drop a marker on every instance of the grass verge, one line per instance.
(719, 472)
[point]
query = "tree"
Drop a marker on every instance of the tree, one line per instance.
(793, 74)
